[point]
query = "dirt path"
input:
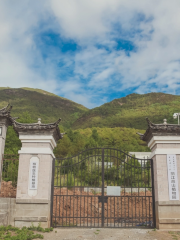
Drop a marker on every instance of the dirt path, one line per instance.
(109, 234)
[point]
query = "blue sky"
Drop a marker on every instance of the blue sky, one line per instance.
(91, 51)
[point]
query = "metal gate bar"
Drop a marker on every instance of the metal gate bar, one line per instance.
(102, 221)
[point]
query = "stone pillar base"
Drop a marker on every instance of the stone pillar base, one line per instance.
(168, 215)
(33, 213)
(29, 221)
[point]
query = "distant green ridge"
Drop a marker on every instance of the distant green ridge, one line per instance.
(39, 103)
(131, 111)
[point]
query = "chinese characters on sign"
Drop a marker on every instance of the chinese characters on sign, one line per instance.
(33, 175)
(172, 177)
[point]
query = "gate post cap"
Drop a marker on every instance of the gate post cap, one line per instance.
(165, 121)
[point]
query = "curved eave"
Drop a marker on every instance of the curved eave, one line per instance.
(158, 129)
(6, 109)
(32, 127)
(5, 115)
(5, 112)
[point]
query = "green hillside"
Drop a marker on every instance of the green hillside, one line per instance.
(130, 111)
(39, 103)
(113, 124)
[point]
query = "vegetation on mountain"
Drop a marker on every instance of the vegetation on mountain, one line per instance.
(121, 138)
(130, 111)
(113, 124)
(38, 103)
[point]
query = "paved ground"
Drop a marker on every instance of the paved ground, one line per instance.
(109, 234)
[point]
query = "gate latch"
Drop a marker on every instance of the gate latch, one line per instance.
(101, 197)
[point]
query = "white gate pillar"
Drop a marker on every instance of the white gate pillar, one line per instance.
(33, 198)
(164, 142)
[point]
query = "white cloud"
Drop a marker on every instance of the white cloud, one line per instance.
(157, 41)
(18, 53)
(83, 19)
(152, 26)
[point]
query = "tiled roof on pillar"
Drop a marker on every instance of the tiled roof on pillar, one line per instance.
(5, 112)
(38, 128)
(159, 129)
(5, 117)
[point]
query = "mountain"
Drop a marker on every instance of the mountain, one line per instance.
(131, 111)
(112, 124)
(38, 103)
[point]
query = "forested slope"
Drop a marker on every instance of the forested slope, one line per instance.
(130, 111)
(38, 103)
(113, 124)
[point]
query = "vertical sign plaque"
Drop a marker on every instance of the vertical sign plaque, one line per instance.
(33, 177)
(172, 177)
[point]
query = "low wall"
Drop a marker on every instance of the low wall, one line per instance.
(7, 211)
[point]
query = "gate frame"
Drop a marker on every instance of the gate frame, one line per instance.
(102, 187)
(153, 193)
(52, 191)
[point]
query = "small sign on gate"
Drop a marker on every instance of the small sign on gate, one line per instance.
(113, 190)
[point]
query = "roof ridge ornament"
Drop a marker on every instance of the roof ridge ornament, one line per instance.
(39, 120)
(6, 110)
(148, 121)
(5, 115)
(165, 121)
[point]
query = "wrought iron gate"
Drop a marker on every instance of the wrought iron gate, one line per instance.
(103, 187)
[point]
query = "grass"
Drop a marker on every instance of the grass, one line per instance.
(14, 233)
(97, 232)
(175, 235)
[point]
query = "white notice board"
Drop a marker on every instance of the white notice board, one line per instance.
(33, 177)
(172, 177)
(113, 190)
